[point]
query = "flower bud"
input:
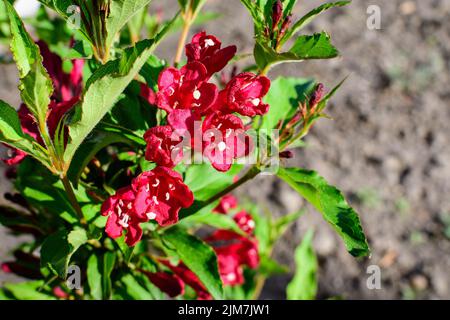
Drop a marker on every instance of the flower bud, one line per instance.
(286, 24)
(277, 13)
(317, 95)
(288, 154)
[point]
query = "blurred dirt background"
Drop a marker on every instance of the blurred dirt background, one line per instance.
(388, 148)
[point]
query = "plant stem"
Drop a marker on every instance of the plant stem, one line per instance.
(182, 40)
(251, 173)
(72, 198)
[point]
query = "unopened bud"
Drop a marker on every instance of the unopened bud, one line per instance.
(317, 95)
(288, 154)
(277, 13)
(286, 24)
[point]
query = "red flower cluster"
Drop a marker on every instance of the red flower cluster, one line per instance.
(187, 96)
(233, 250)
(157, 195)
(67, 89)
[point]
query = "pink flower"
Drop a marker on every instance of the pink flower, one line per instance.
(163, 146)
(232, 256)
(206, 49)
(244, 93)
(224, 139)
(245, 221)
(186, 89)
(121, 213)
(60, 293)
(160, 194)
(226, 203)
(187, 126)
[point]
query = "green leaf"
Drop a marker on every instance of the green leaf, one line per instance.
(331, 203)
(309, 17)
(126, 249)
(281, 224)
(104, 88)
(109, 260)
(46, 192)
(91, 146)
(94, 277)
(316, 46)
(134, 289)
(304, 284)
(28, 290)
(218, 221)
(256, 13)
(121, 11)
(198, 257)
(284, 97)
(205, 181)
(269, 266)
(35, 84)
(59, 247)
(11, 133)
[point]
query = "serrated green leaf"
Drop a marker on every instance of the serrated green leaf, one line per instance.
(199, 257)
(307, 18)
(35, 84)
(304, 283)
(316, 46)
(104, 88)
(121, 11)
(329, 201)
(284, 97)
(59, 247)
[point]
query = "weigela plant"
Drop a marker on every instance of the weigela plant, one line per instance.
(127, 167)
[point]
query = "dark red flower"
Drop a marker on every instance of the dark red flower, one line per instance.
(233, 252)
(148, 94)
(206, 49)
(224, 139)
(244, 93)
(28, 124)
(163, 146)
(121, 213)
(186, 89)
(245, 221)
(56, 111)
(226, 203)
(160, 194)
(168, 283)
(189, 277)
